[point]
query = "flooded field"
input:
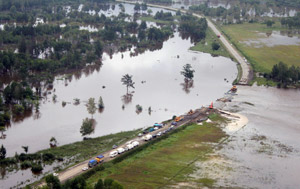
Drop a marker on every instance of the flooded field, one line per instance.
(265, 153)
(274, 38)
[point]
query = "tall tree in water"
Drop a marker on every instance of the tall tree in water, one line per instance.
(127, 80)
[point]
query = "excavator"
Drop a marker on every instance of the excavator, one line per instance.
(233, 89)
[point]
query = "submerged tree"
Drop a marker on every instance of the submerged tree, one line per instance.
(25, 149)
(127, 80)
(91, 106)
(187, 72)
(100, 103)
(86, 127)
(2, 152)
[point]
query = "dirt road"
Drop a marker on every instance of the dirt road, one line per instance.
(244, 65)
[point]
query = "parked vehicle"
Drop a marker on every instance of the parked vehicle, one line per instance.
(147, 137)
(174, 123)
(159, 125)
(135, 143)
(130, 146)
(126, 148)
(178, 118)
(159, 133)
(92, 163)
(85, 168)
(100, 158)
(113, 154)
(151, 129)
(155, 128)
(140, 135)
(114, 146)
(120, 150)
(154, 136)
(145, 131)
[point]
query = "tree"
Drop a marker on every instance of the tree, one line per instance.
(188, 72)
(269, 23)
(91, 106)
(25, 149)
(144, 6)
(52, 182)
(98, 48)
(215, 46)
(2, 152)
(100, 103)
(22, 46)
(99, 184)
(53, 142)
(86, 127)
(137, 7)
(127, 80)
(149, 11)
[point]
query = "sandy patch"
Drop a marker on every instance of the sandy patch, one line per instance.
(238, 121)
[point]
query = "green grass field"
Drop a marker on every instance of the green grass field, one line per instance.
(167, 162)
(265, 57)
(205, 45)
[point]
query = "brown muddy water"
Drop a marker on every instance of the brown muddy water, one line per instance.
(158, 84)
(266, 152)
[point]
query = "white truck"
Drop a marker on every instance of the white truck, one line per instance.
(113, 154)
(147, 137)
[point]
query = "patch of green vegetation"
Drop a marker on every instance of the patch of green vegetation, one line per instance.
(87, 148)
(206, 45)
(262, 58)
(207, 182)
(216, 117)
(260, 81)
(167, 161)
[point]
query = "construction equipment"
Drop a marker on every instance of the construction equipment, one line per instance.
(233, 89)
(178, 118)
(211, 106)
(190, 112)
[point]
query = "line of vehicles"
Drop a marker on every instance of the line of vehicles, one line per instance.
(99, 159)
(132, 144)
(128, 146)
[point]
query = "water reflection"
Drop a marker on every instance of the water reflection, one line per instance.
(187, 85)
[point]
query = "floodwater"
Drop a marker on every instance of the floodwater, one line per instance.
(161, 89)
(273, 39)
(265, 153)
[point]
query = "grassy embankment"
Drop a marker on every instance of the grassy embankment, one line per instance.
(262, 58)
(169, 161)
(205, 45)
(89, 148)
(79, 151)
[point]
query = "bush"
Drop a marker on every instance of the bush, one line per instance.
(99, 184)
(215, 46)
(48, 157)
(18, 109)
(52, 182)
(36, 168)
(25, 164)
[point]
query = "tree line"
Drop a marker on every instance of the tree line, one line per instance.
(284, 75)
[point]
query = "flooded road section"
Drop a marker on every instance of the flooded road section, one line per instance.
(265, 153)
(158, 83)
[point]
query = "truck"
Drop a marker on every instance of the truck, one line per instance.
(159, 125)
(99, 159)
(177, 119)
(147, 137)
(92, 163)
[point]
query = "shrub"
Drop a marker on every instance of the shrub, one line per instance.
(25, 164)
(36, 168)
